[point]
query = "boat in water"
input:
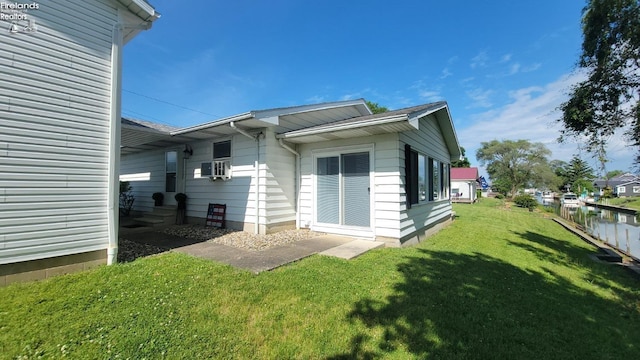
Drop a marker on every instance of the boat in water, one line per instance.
(569, 200)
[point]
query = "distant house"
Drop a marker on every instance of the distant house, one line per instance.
(464, 184)
(624, 185)
(331, 167)
(59, 139)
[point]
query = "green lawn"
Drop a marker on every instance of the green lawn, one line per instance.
(628, 202)
(498, 284)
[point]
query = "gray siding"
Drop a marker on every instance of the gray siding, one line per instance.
(54, 145)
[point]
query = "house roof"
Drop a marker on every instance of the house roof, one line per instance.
(464, 173)
(374, 124)
(616, 180)
(632, 182)
(286, 118)
(138, 135)
(297, 124)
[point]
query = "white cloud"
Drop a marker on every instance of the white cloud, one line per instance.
(480, 97)
(531, 115)
(430, 95)
(445, 73)
(505, 58)
(315, 99)
(532, 67)
(515, 68)
(479, 60)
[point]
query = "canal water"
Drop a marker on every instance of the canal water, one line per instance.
(618, 229)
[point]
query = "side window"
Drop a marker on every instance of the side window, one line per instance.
(423, 184)
(171, 168)
(222, 150)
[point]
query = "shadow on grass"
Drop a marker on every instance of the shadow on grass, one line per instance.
(451, 305)
(550, 249)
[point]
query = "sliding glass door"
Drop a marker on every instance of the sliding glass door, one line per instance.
(343, 189)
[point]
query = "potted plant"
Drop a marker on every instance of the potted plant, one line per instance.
(158, 197)
(182, 208)
(182, 200)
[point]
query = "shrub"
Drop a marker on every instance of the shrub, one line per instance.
(126, 198)
(525, 201)
(499, 196)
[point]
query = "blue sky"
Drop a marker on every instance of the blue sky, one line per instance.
(503, 66)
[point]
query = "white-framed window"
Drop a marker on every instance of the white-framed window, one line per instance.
(437, 179)
(445, 184)
(423, 183)
(620, 189)
(171, 170)
(636, 189)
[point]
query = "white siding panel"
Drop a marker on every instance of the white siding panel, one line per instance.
(151, 162)
(279, 180)
(429, 141)
(238, 193)
(54, 115)
(385, 197)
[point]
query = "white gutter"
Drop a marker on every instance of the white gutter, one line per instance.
(215, 123)
(113, 191)
(256, 166)
(298, 179)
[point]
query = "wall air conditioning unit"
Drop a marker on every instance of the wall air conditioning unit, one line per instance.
(217, 169)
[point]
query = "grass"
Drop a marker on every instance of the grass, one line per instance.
(499, 283)
(628, 202)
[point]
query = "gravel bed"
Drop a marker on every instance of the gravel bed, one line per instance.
(240, 239)
(130, 250)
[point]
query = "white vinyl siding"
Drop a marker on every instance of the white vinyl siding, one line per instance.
(277, 183)
(149, 168)
(427, 140)
(54, 138)
(238, 193)
(386, 181)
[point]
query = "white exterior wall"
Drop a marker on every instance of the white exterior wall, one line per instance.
(238, 193)
(54, 134)
(146, 173)
(277, 203)
(385, 178)
(427, 140)
(467, 188)
(277, 183)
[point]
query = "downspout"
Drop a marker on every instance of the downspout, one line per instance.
(113, 191)
(256, 166)
(298, 180)
(113, 181)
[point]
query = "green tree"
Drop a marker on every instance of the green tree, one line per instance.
(375, 108)
(579, 175)
(613, 173)
(610, 97)
(512, 163)
(464, 163)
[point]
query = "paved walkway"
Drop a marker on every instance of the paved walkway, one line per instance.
(258, 261)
